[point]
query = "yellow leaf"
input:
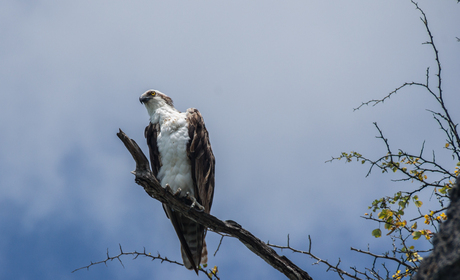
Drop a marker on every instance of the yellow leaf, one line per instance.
(443, 216)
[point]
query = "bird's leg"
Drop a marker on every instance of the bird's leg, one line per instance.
(194, 202)
(176, 193)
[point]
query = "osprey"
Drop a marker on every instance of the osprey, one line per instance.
(182, 159)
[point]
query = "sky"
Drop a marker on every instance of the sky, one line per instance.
(276, 82)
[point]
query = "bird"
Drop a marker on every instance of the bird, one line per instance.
(183, 162)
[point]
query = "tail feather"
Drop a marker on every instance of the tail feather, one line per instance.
(204, 257)
(191, 236)
(194, 237)
(185, 259)
(204, 253)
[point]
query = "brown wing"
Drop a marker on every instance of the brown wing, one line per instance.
(151, 134)
(201, 158)
(185, 228)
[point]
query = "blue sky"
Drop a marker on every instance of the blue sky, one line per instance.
(276, 82)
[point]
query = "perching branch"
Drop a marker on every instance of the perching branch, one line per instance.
(145, 178)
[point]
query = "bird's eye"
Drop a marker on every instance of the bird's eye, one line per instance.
(152, 93)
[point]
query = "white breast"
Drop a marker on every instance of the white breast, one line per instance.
(172, 144)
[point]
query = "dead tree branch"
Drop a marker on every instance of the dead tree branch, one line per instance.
(136, 254)
(145, 178)
(330, 266)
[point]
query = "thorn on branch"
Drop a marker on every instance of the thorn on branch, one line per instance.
(330, 266)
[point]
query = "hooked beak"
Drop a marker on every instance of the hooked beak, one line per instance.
(144, 99)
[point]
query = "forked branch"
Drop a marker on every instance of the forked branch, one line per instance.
(145, 178)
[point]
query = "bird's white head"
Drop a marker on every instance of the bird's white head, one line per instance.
(154, 99)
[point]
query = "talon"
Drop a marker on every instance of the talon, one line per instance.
(170, 190)
(177, 193)
(194, 202)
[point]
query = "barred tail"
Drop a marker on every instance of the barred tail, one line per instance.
(204, 257)
(194, 236)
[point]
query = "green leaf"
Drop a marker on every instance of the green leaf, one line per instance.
(382, 215)
(377, 233)
(417, 235)
(389, 223)
(418, 203)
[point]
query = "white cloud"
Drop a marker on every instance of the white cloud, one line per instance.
(276, 83)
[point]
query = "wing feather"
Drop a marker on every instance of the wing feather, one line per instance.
(201, 158)
(151, 134)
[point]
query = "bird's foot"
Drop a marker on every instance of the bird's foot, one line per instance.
(195, 203)
(175, 193)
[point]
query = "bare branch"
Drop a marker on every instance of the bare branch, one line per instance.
(218, 246)
(377, 101)
(383, 257)
(136, 254)
(330, 266)
(145, 178)
(452, 133)
(439, 97)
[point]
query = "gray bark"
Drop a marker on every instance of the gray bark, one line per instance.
(444, 261)
(145, 178)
